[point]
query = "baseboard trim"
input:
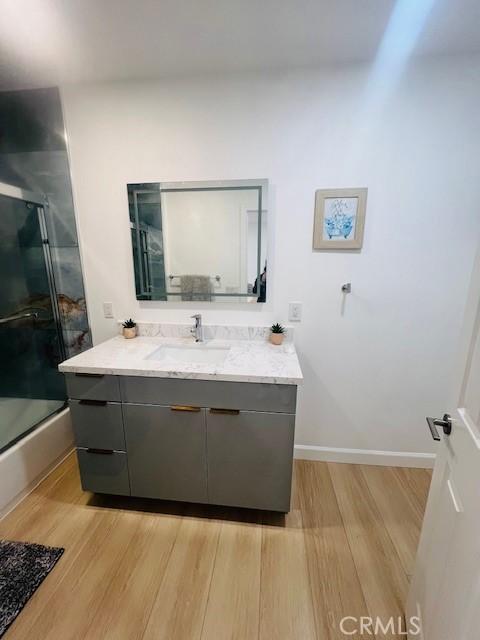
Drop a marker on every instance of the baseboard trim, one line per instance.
(365, 456)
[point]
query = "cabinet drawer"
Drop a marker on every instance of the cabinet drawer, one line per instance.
(104, 472)
(203, 393)
(166, 452)
(86, 386)
(250, 459)
(98, 424)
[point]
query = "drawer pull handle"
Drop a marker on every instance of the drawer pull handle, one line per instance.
(181, 407)
(103, 452)
(227, 412)
(94, 403)
(89, 375)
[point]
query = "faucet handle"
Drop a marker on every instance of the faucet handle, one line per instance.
(196, 316)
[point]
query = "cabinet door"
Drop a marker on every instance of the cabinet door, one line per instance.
(166, 452)
(250, 457)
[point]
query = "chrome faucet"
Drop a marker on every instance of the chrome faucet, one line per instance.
(197, 329)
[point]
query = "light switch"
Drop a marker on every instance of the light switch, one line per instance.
(295, 311)
(108, 309)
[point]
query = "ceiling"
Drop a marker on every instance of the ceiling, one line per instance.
(46, 42)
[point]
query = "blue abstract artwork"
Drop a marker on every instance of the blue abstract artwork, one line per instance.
(340, 219)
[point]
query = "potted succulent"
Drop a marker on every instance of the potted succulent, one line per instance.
(276, 333)
(129, 329)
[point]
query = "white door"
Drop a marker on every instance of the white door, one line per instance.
(445, 589)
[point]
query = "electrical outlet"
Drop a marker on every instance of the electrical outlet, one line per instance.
(108, 309)
(295, 311)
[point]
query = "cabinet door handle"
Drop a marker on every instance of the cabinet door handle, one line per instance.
(181, 407)
(94, 403)
(228, 412)
(89, 375)
(103, 452)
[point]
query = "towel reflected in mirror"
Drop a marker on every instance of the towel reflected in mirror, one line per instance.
(196, 288)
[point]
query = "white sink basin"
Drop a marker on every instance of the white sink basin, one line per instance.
(194, 354)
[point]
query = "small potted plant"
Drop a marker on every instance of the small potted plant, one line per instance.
(276, 333)
(129, 329)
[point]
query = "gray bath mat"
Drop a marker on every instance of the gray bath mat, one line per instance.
(23, 568)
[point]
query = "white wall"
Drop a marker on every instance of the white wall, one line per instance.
(375, 367)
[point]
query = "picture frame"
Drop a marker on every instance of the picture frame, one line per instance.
(339, 220)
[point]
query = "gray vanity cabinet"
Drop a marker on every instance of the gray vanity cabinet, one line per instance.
(217, 442)
(166, 452)
(250, 458)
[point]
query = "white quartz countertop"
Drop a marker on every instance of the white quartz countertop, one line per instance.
(246, 361)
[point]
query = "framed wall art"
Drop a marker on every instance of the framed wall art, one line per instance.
(339, 218)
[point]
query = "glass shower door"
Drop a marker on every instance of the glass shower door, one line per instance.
(31, 346)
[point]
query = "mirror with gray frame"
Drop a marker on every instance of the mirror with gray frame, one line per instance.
(200, 241)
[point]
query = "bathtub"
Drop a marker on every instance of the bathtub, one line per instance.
(24, 465)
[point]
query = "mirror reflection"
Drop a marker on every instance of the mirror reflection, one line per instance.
(200, 241)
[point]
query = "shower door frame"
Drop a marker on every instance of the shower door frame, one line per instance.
(40, 202)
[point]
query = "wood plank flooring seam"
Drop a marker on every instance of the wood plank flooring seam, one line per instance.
(160, 582)
(210, 581)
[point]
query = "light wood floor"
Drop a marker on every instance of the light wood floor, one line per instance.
(137, 569)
